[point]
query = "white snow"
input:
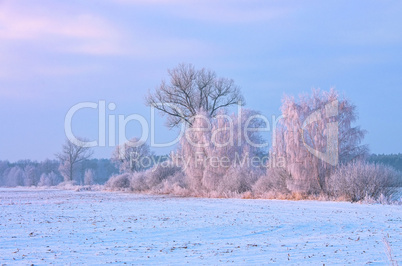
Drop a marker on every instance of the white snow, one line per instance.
(62, 227)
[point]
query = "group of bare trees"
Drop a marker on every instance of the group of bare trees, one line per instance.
(47, 173)
(29, 173)
(316, 141)
(317, 145)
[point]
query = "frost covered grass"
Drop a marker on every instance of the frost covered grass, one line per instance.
(62, 227)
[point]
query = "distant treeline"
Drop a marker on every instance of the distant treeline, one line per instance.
(394, 160)
(46, 173)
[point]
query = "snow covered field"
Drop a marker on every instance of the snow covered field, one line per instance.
(62, 227)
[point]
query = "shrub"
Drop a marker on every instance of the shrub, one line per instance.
(174, 185)
(157, 179)
(159, 173)
(67, 185)
(274, 181)
(237, 179)
(119, 182)
(358, 180)
(137, 182)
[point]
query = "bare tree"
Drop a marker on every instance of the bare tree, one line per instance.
(132, 156)
(71, 156)
(190, 91)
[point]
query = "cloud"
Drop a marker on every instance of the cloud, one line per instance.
(75, 30)
(64, 31)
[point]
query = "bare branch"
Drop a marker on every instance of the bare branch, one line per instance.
(190, 91)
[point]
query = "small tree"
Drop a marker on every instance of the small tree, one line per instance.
(89, 177)
(50, 179)
(190, 91)
(15, 177)
(132, 156)
(30, 176)
(71, 156)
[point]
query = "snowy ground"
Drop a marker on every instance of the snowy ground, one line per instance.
(62, 227)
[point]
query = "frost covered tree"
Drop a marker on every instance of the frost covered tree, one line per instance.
(315, 134)
(132, 156)
(194, 148)
(89, 177)
(30, 176)
(4, 168)
(189, 91)
(14, 177)
(71, 157)
(220, 154)
(48, 179)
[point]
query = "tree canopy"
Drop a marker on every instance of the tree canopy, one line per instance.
(190, 91)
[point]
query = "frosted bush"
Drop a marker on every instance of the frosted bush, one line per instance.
(237, 180)
(174, 184)
(119, 182)
(159, 173)
(138, 182)
(275, 180)
(162, 175)
(68, 185)
(359, 180)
